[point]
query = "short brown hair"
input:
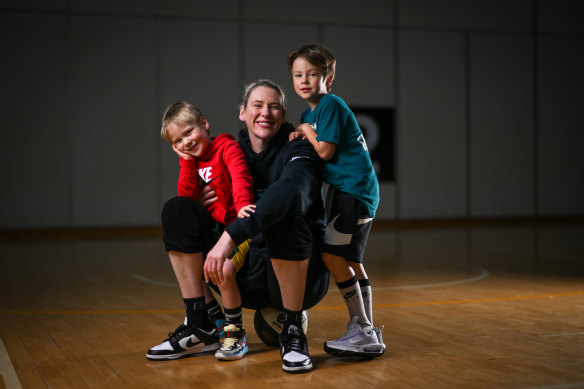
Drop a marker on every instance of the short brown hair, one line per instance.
(179, 112)
(318, 55)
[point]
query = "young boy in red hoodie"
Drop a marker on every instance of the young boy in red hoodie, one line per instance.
(220, 163)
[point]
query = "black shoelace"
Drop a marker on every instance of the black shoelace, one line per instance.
(176, 335)
(295, 342)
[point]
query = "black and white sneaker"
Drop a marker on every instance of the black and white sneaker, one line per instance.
(185, 341)
(294, 351)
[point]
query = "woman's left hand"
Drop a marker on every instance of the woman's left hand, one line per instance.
(213, 267)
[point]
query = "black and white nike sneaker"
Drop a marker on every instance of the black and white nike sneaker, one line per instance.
(185, 341)
(294, 351)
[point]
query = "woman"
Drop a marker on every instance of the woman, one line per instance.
(289, 211)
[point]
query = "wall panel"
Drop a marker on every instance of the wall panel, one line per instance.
(502, 133)
(113, 108)
(499, 15)
(34, 140)
(560, 126)
(431, 125)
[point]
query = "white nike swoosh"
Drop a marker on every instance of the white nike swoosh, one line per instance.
(184, 342)
(334, 237)
(363, 221)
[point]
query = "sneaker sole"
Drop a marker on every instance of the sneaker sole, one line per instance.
(374, 352)
(298, 369)
(223, 357)
(210, 349)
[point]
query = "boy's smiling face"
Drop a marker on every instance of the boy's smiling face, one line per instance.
(309, 82)
(190, 138)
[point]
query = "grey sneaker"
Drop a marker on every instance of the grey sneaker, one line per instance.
(379, 336)
(356, 342)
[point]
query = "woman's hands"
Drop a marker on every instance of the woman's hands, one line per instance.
(213, 267)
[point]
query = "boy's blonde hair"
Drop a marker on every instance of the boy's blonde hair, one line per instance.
(179, 112)
(318, 55)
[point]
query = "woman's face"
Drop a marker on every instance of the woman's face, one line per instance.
(263, 114)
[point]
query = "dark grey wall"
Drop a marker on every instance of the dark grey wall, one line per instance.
(487, 95)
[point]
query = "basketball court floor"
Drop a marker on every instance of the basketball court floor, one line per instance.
(463, 306)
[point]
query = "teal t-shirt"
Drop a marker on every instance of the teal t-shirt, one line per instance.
(350, 169)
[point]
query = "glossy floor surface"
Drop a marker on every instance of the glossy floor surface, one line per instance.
(463, 307)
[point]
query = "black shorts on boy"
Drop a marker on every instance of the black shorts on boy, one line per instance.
(348, 225)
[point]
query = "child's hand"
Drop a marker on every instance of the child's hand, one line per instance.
(296, 134)
(300, 131)
(246, 211)
(302, 128)
(181, 154)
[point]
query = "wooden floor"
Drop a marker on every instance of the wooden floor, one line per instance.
(482, 307)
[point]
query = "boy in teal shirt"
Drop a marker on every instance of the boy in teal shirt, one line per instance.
(351, 193)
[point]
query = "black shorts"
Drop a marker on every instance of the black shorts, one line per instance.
(348, 226)
(259, 286)
(188, 227)
(291, 239)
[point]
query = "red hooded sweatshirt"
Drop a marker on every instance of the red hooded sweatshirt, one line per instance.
(223, 167)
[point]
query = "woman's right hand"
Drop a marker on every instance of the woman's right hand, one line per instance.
(207, 196)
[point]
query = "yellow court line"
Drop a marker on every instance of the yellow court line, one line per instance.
(412, 304)
(485, 300)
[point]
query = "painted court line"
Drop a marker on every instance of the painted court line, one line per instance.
(567, 334)
(485, 300)
(7, 373)
(153, 282)
(483, 273)
(563, 386)
(411, 304)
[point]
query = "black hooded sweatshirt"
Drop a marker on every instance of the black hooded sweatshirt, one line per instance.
(287, 181)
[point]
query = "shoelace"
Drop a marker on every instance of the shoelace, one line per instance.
(350, 333)
(229, 342)
(294, 343)
(176, 333)
(352, 328)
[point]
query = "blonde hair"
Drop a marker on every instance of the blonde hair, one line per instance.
(263, 82)
(179, 112)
